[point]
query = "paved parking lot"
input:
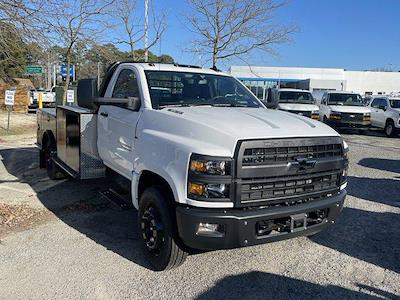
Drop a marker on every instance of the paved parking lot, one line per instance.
(73, 245)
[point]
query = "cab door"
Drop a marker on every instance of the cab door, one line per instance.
(117, 124)
(377, 113)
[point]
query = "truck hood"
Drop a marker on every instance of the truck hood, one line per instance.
(219, 128)
(298, 106)
(350, 109)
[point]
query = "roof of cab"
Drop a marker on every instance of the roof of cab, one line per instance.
(174, 68)
(342, 92)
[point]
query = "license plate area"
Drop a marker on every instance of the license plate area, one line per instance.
(298, 222)
(291, 223)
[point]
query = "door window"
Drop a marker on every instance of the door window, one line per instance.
(126, 85)
(375, 103)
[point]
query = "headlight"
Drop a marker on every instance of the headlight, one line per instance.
(213, 166)
(345, 150)
(315, 115)
(204, 190)
(367, 114)
(209, 178)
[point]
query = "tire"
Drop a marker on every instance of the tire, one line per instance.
(53, 171)
(158, 232)
(390, 130)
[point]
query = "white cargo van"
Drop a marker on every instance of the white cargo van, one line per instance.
(296, 101)
(344, 110)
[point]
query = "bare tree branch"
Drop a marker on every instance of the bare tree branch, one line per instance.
(133, 27)
(235, 28)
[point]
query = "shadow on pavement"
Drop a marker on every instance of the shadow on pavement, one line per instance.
(260, 285)
(379, 190)
(369, 236)
(77, 204)
(390, 165)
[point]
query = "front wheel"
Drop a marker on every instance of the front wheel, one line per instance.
(159, 235)
(389, 128)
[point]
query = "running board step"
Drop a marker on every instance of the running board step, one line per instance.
(119, 201)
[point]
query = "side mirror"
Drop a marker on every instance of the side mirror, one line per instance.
(133, 103)
(383, 107)
(87, 93)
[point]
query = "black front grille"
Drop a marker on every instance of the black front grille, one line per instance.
(289, 189)
(350, 117)
(288, 171)
(278, 155)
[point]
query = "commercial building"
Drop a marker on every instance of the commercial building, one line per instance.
(259, 79)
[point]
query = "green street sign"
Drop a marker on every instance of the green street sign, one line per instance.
(34, 70)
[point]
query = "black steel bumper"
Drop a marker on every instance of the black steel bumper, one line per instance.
(240, 225)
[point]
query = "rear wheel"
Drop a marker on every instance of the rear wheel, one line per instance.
(389, 128)
(159, 235)
(53, 171)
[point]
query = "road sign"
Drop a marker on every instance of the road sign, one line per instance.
(9, 102)
(70, 96)
(9, 97)
(34, 70)
(63, 70)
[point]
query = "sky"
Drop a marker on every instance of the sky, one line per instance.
(349, 34)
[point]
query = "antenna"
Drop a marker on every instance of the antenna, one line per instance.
(146, 29)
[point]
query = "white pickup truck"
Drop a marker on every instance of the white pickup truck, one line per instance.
(296, 101)
(206, 164)
(342, 109)
(385, 114)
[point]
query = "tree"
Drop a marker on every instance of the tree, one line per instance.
(76, 22)
(13, 53)
(234, 28)
(132, 26)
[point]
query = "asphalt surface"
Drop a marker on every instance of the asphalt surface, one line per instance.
(87, 249)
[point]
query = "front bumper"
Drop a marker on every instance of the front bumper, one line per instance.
(241, 225)
(349, 125)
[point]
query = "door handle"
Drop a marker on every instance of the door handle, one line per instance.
(104, 114)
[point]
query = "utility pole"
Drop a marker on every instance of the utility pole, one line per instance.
(48, 71)
(98, 75)
(146, 30)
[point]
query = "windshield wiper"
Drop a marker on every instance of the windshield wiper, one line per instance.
(228, 105)
(173, 105)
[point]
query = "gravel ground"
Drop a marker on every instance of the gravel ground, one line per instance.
(86, 249)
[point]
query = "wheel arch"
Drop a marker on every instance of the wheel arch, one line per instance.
(148, 178)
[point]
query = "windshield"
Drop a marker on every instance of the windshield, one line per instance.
(345, 99)
(394, 103)
(295, 97)
(194, 89)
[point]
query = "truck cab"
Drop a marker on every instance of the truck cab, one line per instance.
(207, 165)
(385, 114)
(345, 110)
(297, 101)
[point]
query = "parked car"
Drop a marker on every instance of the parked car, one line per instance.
(385, 114)
(296, 101)
(33, 100)
(206, 164)
(344, 110)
